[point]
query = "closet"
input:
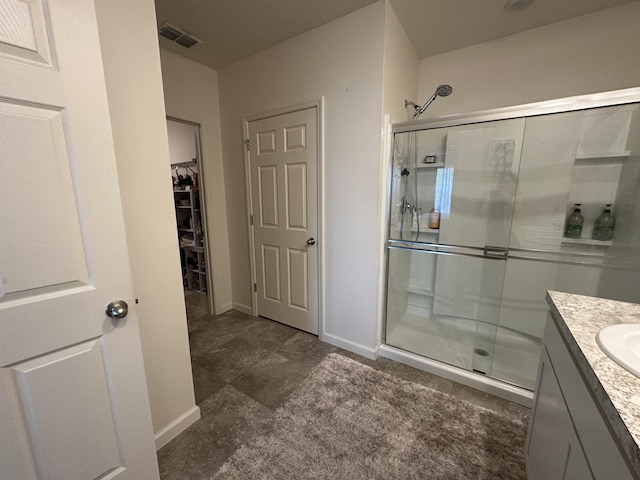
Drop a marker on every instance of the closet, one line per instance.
(189, 208)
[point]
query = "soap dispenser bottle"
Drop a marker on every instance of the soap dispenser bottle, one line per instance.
(603, 228)
(574, 223)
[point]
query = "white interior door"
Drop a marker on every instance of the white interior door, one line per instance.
(73, 398)
(283, 165)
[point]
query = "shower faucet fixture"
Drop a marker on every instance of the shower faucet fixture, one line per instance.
(441, 91)
(405, 206)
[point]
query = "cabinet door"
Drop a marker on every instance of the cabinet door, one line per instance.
(577, 466)
(552, 450)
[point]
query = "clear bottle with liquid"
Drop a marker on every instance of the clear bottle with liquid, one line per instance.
(573, 228)
(434, 219)
(604, 225)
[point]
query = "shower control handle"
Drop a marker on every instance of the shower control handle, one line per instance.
(499, 253)
(311, 241)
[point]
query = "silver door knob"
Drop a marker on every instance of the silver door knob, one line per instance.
(311, 241)
(117, 309)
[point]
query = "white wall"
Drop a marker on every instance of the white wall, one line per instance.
(132, 71)
(191, 93)
(592, 53)
(401, 67)
(342, 62)
(182, 142)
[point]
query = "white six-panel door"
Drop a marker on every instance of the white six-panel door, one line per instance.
(283, 168)
(73, 398)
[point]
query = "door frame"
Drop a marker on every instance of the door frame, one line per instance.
(318, 105)
(203, 206)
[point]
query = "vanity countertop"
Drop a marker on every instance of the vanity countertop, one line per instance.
(579, 319)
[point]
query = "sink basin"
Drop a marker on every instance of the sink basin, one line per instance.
(622, 344)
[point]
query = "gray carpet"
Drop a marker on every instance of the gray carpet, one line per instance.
(348, 421)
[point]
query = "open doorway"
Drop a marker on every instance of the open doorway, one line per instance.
(186, 166)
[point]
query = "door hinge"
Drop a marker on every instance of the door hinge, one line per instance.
(251, 219)
(255, 287)
(247, 144)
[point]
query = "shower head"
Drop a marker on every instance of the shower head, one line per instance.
(444, 90)
(441, 91)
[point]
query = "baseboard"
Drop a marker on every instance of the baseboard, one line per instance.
(242, 308)
(176, 427)
(484, 384)
(354, 347)
(224, 308)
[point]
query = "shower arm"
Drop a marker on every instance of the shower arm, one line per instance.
(442, 91)
(407, 103)
(420, 110)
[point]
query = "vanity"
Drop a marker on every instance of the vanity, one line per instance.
(585, 422)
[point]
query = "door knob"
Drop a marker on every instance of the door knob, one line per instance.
(117, 309)
(311, 241)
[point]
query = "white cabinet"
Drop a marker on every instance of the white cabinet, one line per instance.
(568, 436)
(553, 450)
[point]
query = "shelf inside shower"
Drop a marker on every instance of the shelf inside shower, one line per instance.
(420, 291)
(430, 165)
(587, 241)
(426, 230)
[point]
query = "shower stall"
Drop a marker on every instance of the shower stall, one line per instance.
(477, 213)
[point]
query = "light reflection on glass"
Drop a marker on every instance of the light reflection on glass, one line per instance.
(444, 187)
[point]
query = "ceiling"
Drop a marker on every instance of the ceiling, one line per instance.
(430, 23)
(234, 29)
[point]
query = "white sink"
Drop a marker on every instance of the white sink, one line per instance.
(622, 344)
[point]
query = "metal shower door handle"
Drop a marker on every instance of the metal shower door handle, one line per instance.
(311, 241)
(499, 253)
(117, 309)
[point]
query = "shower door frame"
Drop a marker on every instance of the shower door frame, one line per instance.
(562, 105)
(548, 107)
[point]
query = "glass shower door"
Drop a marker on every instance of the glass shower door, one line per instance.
(445, 277)
(469, 289)
(590, 157)
(444, 318)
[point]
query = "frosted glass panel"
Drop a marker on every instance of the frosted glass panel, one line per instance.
(449, 322)
(524, 309)
(485, 160)
(607, 159)
(544, 181)
(467, 175)
(418, 186)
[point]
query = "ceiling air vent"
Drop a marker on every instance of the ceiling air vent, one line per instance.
(178, 36)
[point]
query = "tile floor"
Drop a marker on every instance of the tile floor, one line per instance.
(243, 369)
